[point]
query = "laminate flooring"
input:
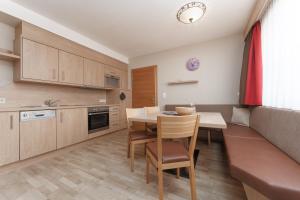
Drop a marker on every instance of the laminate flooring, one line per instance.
(99, 170)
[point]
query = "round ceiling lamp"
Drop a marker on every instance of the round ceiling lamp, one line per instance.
(191, 12)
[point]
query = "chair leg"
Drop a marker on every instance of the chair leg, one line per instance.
(132, 157)
(192, 181)
(147, 168)
(160, 184)
(145, 148)
(178, 173)
(128, 149)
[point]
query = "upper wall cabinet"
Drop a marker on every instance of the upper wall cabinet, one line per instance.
(48, 58)
(93, 74)
(40, 62)
(70, 68)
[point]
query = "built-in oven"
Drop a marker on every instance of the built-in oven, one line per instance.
(98, 118)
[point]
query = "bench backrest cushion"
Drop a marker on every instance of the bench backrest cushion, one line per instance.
(280, 126)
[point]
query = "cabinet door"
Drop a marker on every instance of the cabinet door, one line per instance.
(124, 80)
(37, 137)
(9, 137)
(123, 105)
(93, 73)
(114, 118)
(70, 68)
(112, 71)
(40, 62)
(72, 126)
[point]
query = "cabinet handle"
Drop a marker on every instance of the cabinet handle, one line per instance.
(63, 76)
(11, 122)
(54, 74)
(61, 117)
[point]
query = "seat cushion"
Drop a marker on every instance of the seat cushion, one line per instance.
(172, 151)
(234, 130)
(141, 135)
(263, 166)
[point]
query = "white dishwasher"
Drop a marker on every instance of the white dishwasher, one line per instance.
(37, 132)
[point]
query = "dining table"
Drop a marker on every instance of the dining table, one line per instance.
(209, 120)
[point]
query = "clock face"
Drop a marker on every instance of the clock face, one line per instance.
(192, 64)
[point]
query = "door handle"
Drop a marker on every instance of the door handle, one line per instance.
(63, 75)
(11, 122)
(61, 117)
(54, 74)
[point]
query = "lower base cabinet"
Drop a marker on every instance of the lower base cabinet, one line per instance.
(114, 118)
(72, 126)
(9, 137)
(37, 137)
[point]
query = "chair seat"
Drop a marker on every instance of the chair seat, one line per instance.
(141, 135)
(171, 152)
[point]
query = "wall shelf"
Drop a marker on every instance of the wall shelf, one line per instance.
(9, 56)
(183, 82)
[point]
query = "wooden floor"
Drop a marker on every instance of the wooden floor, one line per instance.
(99, 170)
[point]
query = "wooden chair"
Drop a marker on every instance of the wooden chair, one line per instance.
(151, 111)
(170, 154)
(136, 136)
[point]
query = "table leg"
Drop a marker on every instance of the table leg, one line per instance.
(208, 137)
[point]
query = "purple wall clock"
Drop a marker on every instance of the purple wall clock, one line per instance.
(192, 64)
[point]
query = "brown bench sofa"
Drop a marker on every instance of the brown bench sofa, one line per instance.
(266, 156)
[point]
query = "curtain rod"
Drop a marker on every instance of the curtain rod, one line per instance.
(258, 11)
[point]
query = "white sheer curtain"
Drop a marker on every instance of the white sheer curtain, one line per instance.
(281, 54)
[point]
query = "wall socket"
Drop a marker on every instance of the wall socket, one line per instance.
(2, 100)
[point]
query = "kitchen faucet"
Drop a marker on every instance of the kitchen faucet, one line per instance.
(51, 102)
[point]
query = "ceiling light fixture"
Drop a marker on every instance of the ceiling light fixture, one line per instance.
(191, 12)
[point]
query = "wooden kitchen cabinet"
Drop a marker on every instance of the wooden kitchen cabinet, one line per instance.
(108, 70)
(9, 137)
(124, 80)
(37, 137)
(39, 62)
(93, 74)
(70, 68)
(126, 103)
(72, 126)
(114, 118)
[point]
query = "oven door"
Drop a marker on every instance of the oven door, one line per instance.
(98, 121)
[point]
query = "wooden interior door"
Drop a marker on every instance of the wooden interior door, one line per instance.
(144, 87)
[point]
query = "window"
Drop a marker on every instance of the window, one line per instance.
(281, 54)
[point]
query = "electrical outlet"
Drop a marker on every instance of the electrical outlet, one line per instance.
(102, 100)
(2, 100)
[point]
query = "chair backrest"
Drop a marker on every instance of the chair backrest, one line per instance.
(133, 112)
(152, 110)
(176, 127)
(173, 127)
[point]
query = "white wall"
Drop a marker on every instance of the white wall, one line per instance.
(7, 34)
(218, 75)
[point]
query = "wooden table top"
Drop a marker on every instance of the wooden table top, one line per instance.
(207, 119)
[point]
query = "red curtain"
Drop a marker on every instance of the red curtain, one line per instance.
(253, 89)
